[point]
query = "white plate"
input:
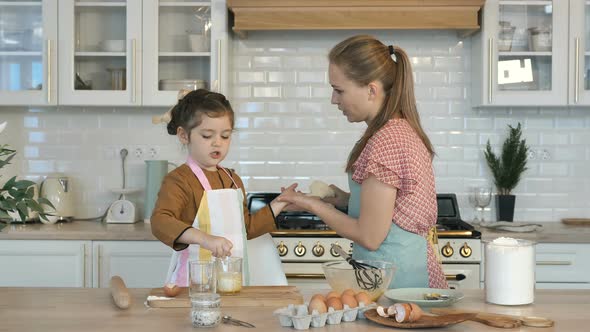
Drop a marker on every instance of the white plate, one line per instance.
(416, 295)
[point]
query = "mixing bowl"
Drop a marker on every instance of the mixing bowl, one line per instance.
(341, 276)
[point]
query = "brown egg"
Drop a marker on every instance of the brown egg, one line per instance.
(171, 290)
(317, 304)
(350, 300)
(332, 294)
(362, 297)
(318, 296)
(335, 303)
(349, 291)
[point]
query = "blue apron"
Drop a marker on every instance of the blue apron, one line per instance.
(405, 249)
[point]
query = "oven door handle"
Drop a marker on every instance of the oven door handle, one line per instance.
(306, 275)
(456, 277)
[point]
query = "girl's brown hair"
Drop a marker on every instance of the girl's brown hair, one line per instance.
(188, 112)
(364, 59)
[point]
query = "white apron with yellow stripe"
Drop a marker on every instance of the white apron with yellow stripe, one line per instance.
(220, 213)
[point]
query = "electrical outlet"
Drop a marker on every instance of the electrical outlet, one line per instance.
(545, 155)
(153, 152)
(138, 152)
(531, 155)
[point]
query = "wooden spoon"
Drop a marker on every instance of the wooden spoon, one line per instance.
(499, 320)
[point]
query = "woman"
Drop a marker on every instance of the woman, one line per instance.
(392, 199)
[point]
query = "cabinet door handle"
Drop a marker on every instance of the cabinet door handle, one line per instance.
(98, 249)
(305, 275)
(554, 263)
(84, 265)
(48, 71)
(133, 71)
(490, 68)
(219, 65)
(577, 71)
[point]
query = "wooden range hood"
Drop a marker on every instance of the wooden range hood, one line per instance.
(252, 15)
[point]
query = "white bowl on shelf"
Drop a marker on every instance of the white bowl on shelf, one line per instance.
(177, 85)
(198, 43)
(113, 45)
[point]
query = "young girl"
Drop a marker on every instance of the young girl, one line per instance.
(392, 200)
(200, 203)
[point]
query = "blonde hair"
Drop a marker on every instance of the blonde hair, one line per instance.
(364, 59)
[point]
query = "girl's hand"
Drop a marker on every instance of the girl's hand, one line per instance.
(219, 246)
(340, 200)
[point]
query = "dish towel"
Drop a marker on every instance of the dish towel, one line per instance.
(517, 227)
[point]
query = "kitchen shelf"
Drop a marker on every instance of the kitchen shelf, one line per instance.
(101, 4)
(182, 54)
(20, 53)
(103, 54)
(185, 4)
(525, 53)
(20, 4)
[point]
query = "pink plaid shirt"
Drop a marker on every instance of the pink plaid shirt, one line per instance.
(395, 155)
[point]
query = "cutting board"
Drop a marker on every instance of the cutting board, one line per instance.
(260, 296)
(499, 320)
(423, 322)
(576, 221)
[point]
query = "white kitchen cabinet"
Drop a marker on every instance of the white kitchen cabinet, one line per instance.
(100, 52)
(562, 265)
(579, 56)
(140, 263)
(28, 52)
(185, 45)
(45, 263)
(520, 56)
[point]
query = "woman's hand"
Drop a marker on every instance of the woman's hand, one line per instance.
(340, 200)
(219, 246)
(278, 206)
(300, 200)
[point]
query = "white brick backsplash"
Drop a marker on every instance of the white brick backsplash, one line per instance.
(266, 62)
(449, 63)
(311, 77)
(287, 131)
(250, 77)
(281, 76)
(266, 92)
(297, 92)
(478, 124)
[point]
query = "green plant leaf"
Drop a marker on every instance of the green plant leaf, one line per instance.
(45, 201)
(22, 210)
(509, 166)
(23, 184)
(9, 184)
(34, 206)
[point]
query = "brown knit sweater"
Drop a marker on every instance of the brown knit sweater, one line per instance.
(179, 199)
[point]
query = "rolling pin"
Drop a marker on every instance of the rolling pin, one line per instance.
(120, 293)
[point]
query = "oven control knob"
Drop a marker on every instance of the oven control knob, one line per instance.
(283, 250)
(465, 250)
(333, 252)
(318, 250)
(300, 250)
(447, 250)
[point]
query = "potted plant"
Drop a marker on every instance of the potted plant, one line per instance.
(507, 170)
(17, 197)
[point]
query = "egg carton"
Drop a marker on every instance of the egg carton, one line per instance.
(298, 317)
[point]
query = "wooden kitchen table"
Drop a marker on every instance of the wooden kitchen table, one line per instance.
(92, 309)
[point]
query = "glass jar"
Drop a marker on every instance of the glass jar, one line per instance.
(206, 310)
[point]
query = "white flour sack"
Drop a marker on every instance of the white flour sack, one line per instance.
(510, 271)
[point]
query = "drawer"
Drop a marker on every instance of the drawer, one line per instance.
(562, 262)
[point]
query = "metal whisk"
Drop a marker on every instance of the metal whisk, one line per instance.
(368, 277)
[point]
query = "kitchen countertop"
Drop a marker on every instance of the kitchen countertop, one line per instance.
(552, 232)
(92, 309)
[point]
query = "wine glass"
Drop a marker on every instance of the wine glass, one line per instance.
(473, 202)
(483, 197)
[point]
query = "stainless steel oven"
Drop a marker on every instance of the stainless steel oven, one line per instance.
(304, 243)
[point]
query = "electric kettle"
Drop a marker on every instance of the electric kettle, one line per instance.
(57, 189)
